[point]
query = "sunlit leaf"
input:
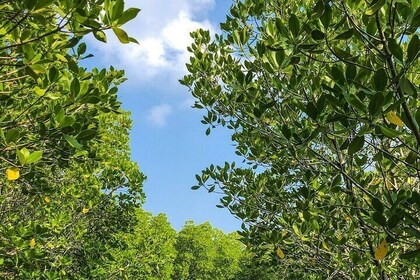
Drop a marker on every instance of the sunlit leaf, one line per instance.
(32, 243)
(381, 251)
(12, 173)
(392, 117)
(280, 253)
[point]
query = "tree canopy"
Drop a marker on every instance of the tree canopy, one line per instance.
(70, 195)
(322, 100)
(69, 184)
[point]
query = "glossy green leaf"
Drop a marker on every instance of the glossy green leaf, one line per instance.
(356, 145)
(86, 134)
(317, 34)
(75, 87)
(379, 218)
(121, 35)
(390, 132)
(73, 142)
(377, 204)
(395, 49)
(375, 6)
(375, 103)
(294, 25)
(128, 15)
(34, 157)
(410, 254)
(413, 48)
(12, 135)
(380, 80)
(100, 36)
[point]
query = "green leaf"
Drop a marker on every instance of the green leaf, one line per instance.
(356, 144)
(390, 132)
(100, 36)
(67, 121)
(375, 103)
(407, 87)
(394, 220)
(395, 49)
(39, 91)
(379, 218)
(327, 16)
(34, 157)
(121, 35)
(12, 135)
(128, 15)
(311, 110)
(296, 229)
(72, 65)
(75, 87)
(81, 48)
(417, 116)
(294, 25)
(317, 34)
(133, 40)
(375, 6)
(410, 254)
(351, 72)
(40, 4)
(22, 155)
(59, 114)
(117, 9)
(413, 48)
(53, 74)
(86, 134)
(90, 99)
(345, 35)
(355, 101)
(73, 142)
(315, 225)
(377, 205)
(380, 79)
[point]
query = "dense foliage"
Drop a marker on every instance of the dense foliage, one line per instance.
(70, 195)
(69, 185)
(322, 99)
(153, 250)
(204, 252)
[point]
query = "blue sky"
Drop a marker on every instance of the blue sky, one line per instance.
(168, 139)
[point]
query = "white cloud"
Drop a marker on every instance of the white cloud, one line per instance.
(187, 103)
(157, 115)
(162, 28)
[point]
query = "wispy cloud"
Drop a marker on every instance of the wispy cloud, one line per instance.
(158, 115)
(163, 29)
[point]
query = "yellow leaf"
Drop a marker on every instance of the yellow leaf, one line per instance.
(324, 245)
(85, 210)
(381, 251)
(393, 118)
(12, 173)
(47, 200)
(388, 185)
(32, 243)
(280, 253)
